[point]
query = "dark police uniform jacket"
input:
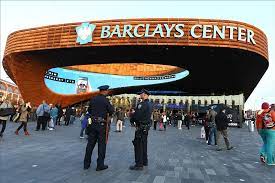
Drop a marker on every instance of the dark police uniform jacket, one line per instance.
(142, 115)
(100, 106)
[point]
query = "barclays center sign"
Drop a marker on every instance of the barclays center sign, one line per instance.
(202, 31)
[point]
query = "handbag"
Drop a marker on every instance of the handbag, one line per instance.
(7, 111)
(16, 117)
(51, 123)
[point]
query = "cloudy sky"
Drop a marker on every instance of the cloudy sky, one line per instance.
(26, 14)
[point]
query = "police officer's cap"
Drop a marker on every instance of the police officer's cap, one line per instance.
(144, 91)
(104, 87)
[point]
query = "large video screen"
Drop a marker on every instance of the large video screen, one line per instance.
(67, 81)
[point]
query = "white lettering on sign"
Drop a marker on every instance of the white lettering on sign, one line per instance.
(136, 33)
(197, 31)
(179, 30)
(193, 31)
(220, 32)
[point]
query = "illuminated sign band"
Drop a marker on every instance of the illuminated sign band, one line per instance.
(85, 32)
(154, 77)
(53, 76)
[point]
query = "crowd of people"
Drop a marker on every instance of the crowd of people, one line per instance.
(175, 118)
(215, 124)
(47, 116)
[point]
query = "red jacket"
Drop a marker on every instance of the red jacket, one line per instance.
(259, 123)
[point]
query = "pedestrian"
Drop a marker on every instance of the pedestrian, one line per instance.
(54, 115)
(6, 109)
(179, 119)
(84, 123)
(222, 121)
(187, 119)
(156, 119)
(142, 119)
(206, 126)
(24, 111)
(212, 126)
(68, 114)
(264, 116)
(60, 114)
(164, 120)
(43, 114)
(132, 111)
(120, 118)
(73, 115)
(99, 109)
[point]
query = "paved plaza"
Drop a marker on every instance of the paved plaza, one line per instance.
(174, 156)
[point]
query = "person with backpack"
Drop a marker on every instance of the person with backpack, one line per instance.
(5, 105)
(265, 123)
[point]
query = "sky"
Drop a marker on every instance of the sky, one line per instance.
(16, 15)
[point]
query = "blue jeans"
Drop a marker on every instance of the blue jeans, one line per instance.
(54, 120)
(212, 136)
(268, 148)
(81, 131)
(72, 118)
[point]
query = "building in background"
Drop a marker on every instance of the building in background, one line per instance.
(10, 91)
(202, 57)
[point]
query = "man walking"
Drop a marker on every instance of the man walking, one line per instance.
(142, 119)
(222, 123)
(43, 114)
(212, 126)
(97, 128)
(120, 117)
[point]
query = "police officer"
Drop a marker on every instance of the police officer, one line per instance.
(97, 128)
(142, 119)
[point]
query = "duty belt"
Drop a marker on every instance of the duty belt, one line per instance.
(96, 120)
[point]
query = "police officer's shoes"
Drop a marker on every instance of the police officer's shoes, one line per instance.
(134, 167)
(86, 167)
(101, 168)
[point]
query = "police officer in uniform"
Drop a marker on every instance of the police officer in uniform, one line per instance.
(97, 128)
(142, 120)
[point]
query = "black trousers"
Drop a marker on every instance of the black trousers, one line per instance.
(67, 120)
(155, 125)
(4, 122)
(41, 121)
(96, 133)
(207, 131)
(58, 120)
(140, 147)
(188, 125)
(23, 124)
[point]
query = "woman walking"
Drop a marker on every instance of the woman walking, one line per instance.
(3, 119)
(54, 115)
(24, 110)
(264, 116)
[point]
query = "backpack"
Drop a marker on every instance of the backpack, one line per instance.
(267, 121)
